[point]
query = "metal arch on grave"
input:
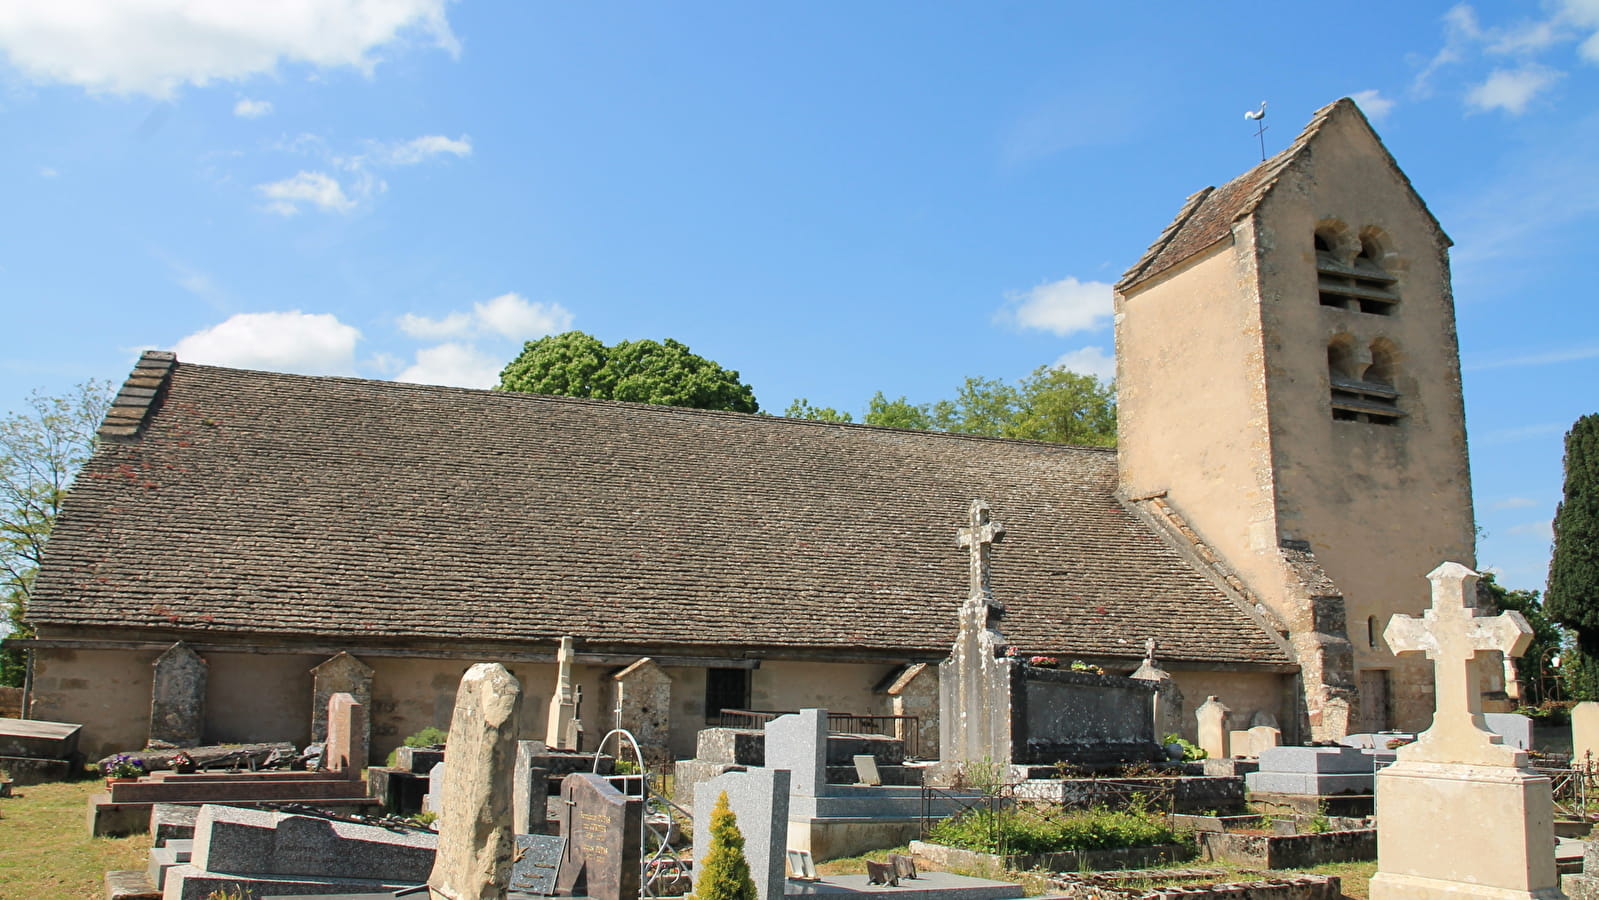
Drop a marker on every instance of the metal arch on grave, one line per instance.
(662, 866)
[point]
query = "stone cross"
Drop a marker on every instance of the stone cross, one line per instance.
(1149, 650)
(1451, 633)
(979, 535)
(559, 730)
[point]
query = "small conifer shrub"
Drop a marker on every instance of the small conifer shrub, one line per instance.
(725, 874)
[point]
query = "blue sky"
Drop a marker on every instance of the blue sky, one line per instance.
(831, 198)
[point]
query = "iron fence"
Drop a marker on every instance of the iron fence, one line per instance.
(904, 728)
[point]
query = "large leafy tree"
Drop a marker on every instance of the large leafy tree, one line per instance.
(1547, 637)
(666, 373)
(1051, 404)
(1572, 598)
(41, 449)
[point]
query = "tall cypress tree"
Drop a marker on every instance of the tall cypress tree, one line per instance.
(1573, 595)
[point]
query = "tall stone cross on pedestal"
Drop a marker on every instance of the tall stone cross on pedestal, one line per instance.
(978, 537)
(1451, 633)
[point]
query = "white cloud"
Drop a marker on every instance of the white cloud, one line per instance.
(1089, 361)
(453, 364)
(424, 148)
(456, 324)
(509, 315)
(513, 316)
(252, 109)
(1512, 89)
(1515, 503)
(1061, 307)
(1373, 103)
(315, 188)
(305, 343)
(1543, 528)
(155, 46)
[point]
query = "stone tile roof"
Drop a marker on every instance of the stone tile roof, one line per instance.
(374, 511)
(1208, 216)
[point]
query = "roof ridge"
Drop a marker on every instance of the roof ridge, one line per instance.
(660, 408)
(130, 409)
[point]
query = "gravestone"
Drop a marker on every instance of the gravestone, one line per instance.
(562, 729)
(1167, 709)
(644, 706)
(1427, 846)
(1212, 716)
(1515, 729)
(866, 770)
(476, 845)
(1585, 736)
(346, 748)
(914, 692)
(1263, 738)
(759, 801)
(339, 674)
(798, 742)
(538, 856)
(530, 792)
(177, 696)
(974, 683)
(1312, 771)
(602, 827)
(433, 800)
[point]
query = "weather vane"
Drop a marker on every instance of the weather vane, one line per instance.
(1259, 115)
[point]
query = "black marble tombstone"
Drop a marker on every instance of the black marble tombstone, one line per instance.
(602, 828)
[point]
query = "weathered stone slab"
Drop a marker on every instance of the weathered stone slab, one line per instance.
(1212, 716)
(537, 858)
(130, 884)
(26, 770)
(1316, 760)
(1081, 717)
(232, 791)
(601, 826)
(1308, 783)
(172, 822)
(189, 883)
(530, 790)
(339, 674)
(798, 743)
(348, 730)
(476, 842)
(1514, 728)
(402, 792)
(258, 842)
(419, 760)
(177, 697)
(759, 800)
(34, 739)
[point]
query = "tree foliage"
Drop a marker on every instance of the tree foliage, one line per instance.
(1572, 598)
(1051, 404)
(41, 449)
(725, 874)
(666, 373)
(1547, 637)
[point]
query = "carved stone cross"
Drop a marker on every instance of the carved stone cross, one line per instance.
(1149, 650)
(979, 535)
(1451, 633)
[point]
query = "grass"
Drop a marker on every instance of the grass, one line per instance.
(46, 852)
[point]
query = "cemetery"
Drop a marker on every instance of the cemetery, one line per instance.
(1044, 772)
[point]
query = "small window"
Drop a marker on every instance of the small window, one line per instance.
(1353, 278)
(1371, 632)
(1370, 395)
(725, 689)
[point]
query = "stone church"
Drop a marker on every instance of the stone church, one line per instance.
(1291, 463)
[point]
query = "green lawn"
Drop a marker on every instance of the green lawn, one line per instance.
(45, 849)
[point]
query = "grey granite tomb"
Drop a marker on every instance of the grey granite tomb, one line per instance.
(759, 800)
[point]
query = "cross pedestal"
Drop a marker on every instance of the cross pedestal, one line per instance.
(1460, 815)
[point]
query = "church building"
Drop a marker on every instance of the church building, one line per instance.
(1291, 463)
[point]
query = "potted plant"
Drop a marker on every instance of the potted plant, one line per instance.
(122, 768)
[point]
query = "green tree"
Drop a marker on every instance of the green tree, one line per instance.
(802, 409)
(725, 874)
(1547, 637)
(900, 413)
(666, 373)
(1050, 404)
(1572, 598)
(41, 449)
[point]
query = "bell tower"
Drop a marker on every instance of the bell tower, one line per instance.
(1289, 401)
